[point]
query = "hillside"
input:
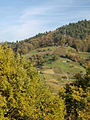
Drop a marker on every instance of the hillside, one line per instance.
(51, 79)
(58, 65)
(25, 96)
(59, 54)
(76, 35)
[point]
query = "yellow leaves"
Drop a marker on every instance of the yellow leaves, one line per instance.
(78, 98)
(2, 101)
(47, 117)
(5, 118)
(85, 113)
(23, 93)
(20, 112)
(77, 93)
(2, 105)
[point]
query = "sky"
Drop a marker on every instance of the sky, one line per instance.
(22, 19)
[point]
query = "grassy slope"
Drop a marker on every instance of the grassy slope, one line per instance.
(61, 71)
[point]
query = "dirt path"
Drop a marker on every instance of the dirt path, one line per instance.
(51, 72)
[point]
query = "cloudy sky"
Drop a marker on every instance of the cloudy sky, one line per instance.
(21, 19)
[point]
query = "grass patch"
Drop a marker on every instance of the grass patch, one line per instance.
(63, 66)
(60, 71)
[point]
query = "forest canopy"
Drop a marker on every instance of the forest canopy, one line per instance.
(76, 35)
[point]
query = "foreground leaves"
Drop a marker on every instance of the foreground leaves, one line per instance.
(23, 96)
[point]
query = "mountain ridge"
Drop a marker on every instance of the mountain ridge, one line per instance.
(67, 35)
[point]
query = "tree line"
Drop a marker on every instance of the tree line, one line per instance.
(76, 35)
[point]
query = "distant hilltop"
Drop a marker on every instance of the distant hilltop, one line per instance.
(76, 35)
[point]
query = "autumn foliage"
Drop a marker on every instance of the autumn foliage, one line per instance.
(23, 95)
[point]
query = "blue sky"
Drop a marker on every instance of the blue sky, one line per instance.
(21, 19)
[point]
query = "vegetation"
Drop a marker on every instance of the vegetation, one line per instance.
(77, 97)
(76, 35)
(58, 64)
(44, 78)
(23, 96)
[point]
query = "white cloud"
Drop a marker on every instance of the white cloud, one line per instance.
(35, 11)
(41, 18)
(20, 32)
(28, 26)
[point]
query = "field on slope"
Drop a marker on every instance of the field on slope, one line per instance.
(58, 65)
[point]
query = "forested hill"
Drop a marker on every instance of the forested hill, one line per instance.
(76, 35)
